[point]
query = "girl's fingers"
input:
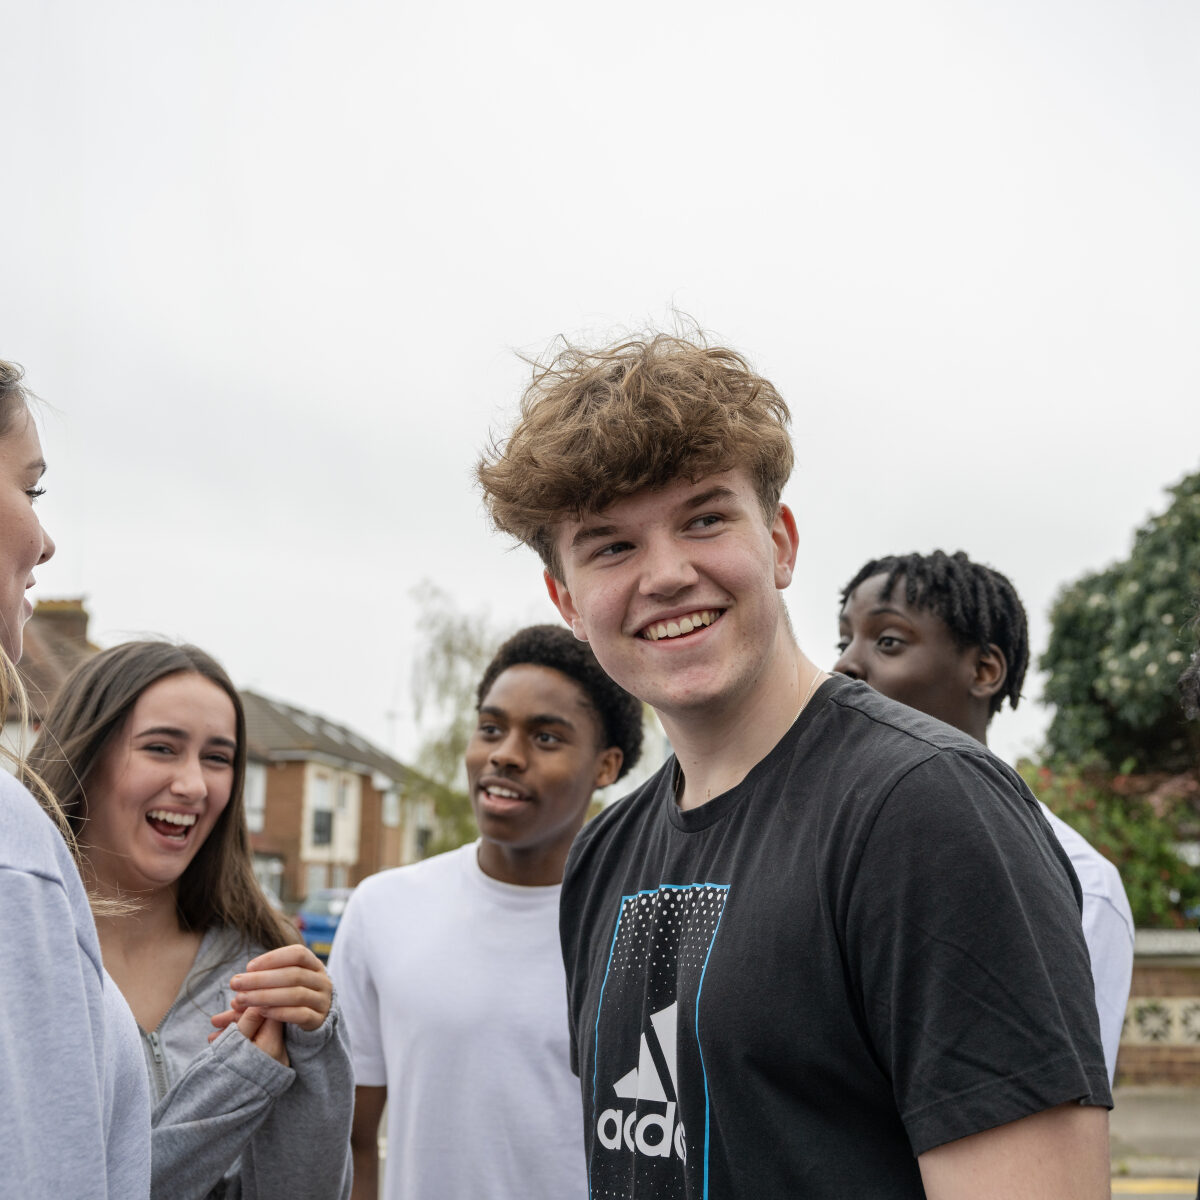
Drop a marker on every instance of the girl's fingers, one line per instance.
(304, 1018)
(298, 955)
(250, 981)
(249, 1023)
(313, 1005)
(269, 1039)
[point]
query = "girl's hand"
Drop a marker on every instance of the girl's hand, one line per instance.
(288, 984)
(264, 1033)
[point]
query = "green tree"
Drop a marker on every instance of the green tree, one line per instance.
(1137, 831)
(455, 650)
(1118, 645)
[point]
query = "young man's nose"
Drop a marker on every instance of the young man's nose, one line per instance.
(507, 753)
(666, 568)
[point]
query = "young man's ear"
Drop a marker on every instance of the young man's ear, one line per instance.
(786, 540)
(560, 597)
(609, 767)
(991, 670)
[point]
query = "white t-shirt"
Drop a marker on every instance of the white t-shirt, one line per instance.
(454, 998)
(1107, 929)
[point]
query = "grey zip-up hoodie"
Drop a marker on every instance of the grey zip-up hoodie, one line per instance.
(231, 1122)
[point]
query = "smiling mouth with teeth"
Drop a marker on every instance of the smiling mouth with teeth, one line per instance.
(171, 824)
(680, 626)
(502, 792)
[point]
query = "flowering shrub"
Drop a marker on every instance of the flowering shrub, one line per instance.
(1137, 829)
(1118, 644)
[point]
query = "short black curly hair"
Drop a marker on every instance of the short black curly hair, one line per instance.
(556, 647)
(978, 605)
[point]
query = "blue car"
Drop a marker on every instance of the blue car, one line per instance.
(318, 918)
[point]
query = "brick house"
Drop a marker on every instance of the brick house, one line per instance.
(55, 643)
(325, 807)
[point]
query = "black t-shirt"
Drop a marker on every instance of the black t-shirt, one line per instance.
(869, 947)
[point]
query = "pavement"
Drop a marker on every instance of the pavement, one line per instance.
(1154, 1133)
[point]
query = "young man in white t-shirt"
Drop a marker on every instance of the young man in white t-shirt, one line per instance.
(948, 637)
(449, 971)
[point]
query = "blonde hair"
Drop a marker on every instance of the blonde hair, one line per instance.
(597, 426)
(13, 400)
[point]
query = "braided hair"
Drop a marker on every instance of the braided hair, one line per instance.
(978, 605)
(556, 647)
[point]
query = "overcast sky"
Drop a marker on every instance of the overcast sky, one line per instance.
(271, 264)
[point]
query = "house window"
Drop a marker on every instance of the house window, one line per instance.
(256, 796)
(424, 837)
(339, 877)
(315, 875)
(268, 870)
(391, 809)
(322, 809)
(322, 828)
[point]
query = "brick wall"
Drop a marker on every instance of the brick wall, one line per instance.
(1160, 1042)
(281, 824)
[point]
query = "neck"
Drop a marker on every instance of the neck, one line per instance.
(976, 725)
(717, 748)
(535, 866)
(153, 919)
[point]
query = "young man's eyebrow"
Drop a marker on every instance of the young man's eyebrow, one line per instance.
(590, 533)
(719, 492)
(550, 719)
(537, 719)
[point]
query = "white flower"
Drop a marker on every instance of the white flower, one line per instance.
(1138, 650)
(1152, 668)
(1168, 619)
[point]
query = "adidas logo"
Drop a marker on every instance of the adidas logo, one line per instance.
(656, 1133)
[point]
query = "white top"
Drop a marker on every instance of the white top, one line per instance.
(1107, 929)
(74, 1101)
(454, 998)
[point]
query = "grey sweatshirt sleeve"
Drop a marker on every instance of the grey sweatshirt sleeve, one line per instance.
(204, 1122)
(73, 1105)
(303, 1146)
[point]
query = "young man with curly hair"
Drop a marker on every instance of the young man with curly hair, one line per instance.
(830, 949)
(948, 637)
(449, 971)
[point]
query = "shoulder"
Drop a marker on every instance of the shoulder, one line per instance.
(625, 817)
(877, 724)
(36, 868)
(393, 885)
(891, 766)
(29, 840)
(1097, 876)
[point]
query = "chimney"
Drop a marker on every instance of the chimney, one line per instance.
(68, 619)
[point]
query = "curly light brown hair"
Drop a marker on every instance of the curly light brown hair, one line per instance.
(597, 426)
